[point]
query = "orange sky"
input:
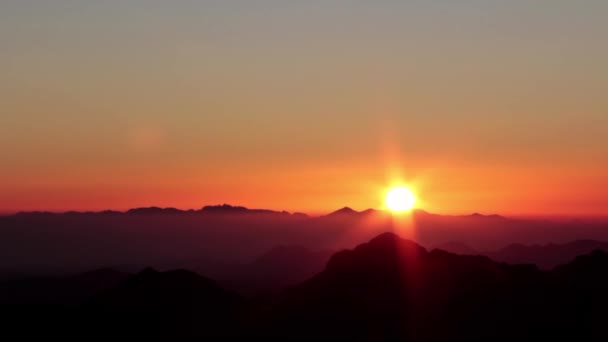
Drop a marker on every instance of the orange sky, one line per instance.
(484, 106)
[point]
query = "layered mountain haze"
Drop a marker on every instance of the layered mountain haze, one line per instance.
(546, 256)
(168, 238)
(388, 289)
(228, 273)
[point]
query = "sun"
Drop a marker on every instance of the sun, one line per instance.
(400, 199)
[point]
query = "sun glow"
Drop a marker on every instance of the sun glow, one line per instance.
(400, 199)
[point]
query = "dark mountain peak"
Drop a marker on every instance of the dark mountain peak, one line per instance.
(423, 214)
(154, 210)
(390, 280)
(546, 256)
(230, 209)
(386, 251)
(223, 208)
(386, 238)
(344, 211)
(370, 211)
(482, 216)
(391, 243)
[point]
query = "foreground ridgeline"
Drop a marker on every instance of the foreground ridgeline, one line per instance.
(389, 289)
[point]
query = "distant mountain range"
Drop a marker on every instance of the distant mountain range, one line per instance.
(216, 209)
(221, 240)
(277, 268)
(546, 256)
(232, 209)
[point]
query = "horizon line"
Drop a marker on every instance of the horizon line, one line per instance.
(312, 214)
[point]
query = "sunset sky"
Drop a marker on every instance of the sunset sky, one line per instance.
(478, 105)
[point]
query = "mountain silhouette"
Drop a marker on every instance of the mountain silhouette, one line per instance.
(154, 210)
(173, 305)
(229, 209)
(343, 211)
(215, 209)
(388, 289)
(546, 256)
(482, 216)
(349, 212)
(382, 288)
(280, 267)
(38, 244)
(275, 269)
(393, 289)
(62, 290)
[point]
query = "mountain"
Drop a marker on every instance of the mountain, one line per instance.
(155, 211)
(343, 212)
(546, 256)
(391, 289)
(229, 209)
(63, 290)
(349, 212)
(209, 209)
(382, 288)
(276, 269)
(488, 217)
(280, 266)
(48, 307)
(388, 289)
(167, 238)
(172, 305)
